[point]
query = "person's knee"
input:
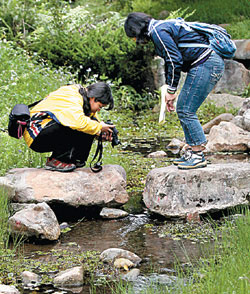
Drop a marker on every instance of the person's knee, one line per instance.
(182, 115)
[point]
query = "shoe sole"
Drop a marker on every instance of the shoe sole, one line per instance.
(198, 165)
(176, 163)
(59, 170)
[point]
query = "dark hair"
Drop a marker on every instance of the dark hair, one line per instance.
(101, 92)
(136, 25)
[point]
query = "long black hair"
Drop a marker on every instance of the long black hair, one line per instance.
(101, 92)
(136, 26)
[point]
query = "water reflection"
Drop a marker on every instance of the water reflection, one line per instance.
(130, 234)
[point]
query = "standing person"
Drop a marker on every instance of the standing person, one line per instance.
(204, 68)
(66, 123)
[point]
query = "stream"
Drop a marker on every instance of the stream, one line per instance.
(131, 233)
(138, 233)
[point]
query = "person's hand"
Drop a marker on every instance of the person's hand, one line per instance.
(169, 98)
(106, 131)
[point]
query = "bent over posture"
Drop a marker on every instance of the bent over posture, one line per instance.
(66, 122)
(204, 68)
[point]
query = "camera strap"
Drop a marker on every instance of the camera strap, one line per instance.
(98, 165)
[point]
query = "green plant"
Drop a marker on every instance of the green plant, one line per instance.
(217, 11)
(247, 91)
(209, 110)
(4, 216)
(95, 42)
(221, 267)
(22, 81)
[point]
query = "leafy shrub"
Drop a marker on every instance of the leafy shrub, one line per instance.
(213, 11)
(19, 17)
(239, 30)
(125, 96)
(98, 43)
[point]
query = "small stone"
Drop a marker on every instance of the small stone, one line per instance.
(111, 213)
(123, 263)
(157, 154)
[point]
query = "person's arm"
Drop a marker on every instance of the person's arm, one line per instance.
(165, 45)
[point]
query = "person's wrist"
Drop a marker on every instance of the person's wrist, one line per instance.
(171, 91)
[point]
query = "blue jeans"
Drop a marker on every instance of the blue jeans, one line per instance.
(199, 83)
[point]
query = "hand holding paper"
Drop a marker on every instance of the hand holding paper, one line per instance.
(167, 101)
(163, 91)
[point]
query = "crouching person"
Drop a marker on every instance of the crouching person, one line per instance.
(66, 123)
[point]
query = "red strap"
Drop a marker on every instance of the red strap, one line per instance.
(20, 130)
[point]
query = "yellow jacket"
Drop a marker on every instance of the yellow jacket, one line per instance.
(65, 106)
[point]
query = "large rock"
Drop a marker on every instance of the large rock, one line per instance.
(243, 49)
(234, 80)
(36, 220)
(176, 193)
(242, 120)
(158, 70)
(225, 100)
(245, 106)
(81, 187)
(228, 137)
(217, 120)
(246, 120)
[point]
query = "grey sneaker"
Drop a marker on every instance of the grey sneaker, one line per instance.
(187, 154)
(196, 160)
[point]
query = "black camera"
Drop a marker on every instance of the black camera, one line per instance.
(115, 141)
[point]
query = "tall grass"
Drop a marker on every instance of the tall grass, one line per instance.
(4, 216)
(225, 270)
(22, 81)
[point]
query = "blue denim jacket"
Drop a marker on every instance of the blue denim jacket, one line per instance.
(166, 35)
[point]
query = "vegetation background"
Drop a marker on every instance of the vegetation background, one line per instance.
(48, 43)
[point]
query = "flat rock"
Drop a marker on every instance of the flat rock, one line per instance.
(176, 193)
(81, 187)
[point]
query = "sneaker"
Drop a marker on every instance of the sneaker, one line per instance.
(56, 165)
(187, 154)
(196, 160)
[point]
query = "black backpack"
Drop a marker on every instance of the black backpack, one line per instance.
(19, 118)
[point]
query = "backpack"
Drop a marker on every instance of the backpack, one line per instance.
(19, 118)
(220, 41)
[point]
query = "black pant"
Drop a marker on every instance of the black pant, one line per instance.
(66, 144)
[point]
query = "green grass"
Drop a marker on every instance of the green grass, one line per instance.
(224, 269)
(22, 81)
(4, 215)
(227, 270)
